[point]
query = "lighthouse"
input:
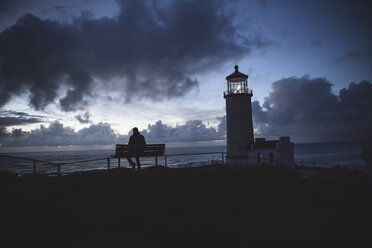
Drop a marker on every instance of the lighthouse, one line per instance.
(242, 148)
(238, 118)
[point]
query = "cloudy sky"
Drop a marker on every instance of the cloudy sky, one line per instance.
(82, 73)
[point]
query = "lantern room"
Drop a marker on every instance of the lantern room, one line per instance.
(237, 83)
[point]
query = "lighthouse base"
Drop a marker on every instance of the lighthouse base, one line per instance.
(270, 152)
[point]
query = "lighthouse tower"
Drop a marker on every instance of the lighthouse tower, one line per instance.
(239, 118)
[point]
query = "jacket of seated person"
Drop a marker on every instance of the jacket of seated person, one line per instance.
(136, 144)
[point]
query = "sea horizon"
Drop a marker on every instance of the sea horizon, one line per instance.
(347, 154)
(112, 146)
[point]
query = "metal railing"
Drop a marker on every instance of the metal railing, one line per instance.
(243, 91)
(58, 165)
(221, 161)
(55, 164)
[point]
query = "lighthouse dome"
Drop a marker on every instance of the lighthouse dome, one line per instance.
(236, 76)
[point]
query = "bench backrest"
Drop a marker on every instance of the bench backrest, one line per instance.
(151, 150)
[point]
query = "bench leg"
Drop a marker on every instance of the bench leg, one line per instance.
(156, 161)
(118, 162)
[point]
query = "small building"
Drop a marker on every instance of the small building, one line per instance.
(242, 148)
(274, 152)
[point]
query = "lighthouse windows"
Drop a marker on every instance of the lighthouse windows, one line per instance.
(238, 87)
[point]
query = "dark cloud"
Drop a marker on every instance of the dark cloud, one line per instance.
(222, 126)
(83, 118)
(12, 118)
(17, 132)
(306, 107)
(102, 134)
(151, 49)
(59, 8)
(57, 135)
(193, 130)
(351, 55)
(7, 6)
(17, 113)
(64, 10)
(3, 132)
(12, 121)
(263, 2)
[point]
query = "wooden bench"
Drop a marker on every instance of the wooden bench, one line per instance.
(150, 150)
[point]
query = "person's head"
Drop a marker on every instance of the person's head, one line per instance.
(135, 131)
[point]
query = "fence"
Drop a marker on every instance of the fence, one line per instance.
(58, 165)
(55, 164)
(108, 159)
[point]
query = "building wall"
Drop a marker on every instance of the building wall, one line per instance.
(265, 156)
(285, 150)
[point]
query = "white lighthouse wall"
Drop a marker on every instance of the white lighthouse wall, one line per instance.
(239, 127)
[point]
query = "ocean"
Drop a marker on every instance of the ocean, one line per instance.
(321, 154)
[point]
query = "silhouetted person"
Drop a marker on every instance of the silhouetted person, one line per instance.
(136, 145)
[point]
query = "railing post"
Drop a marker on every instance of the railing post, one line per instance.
(165, 161)
(59, 169)
(223, 161)
(118, 162)
(34, 167)
(156, 161)
(108, 162)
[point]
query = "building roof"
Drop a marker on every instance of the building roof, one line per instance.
(266, 144)
(237, 75)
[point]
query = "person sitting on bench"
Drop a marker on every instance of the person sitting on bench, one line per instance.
(136, 145)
